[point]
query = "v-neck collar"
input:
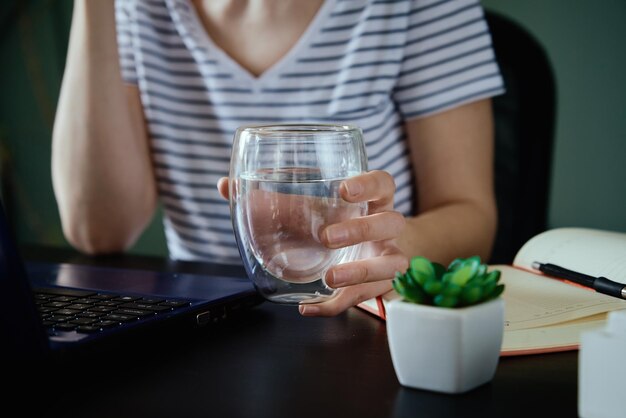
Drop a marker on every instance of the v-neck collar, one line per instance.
(198, 41)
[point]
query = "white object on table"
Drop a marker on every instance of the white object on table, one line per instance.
(602, 370)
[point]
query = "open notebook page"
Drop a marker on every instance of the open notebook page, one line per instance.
(533, 300)
(588, 251)
(558, 337)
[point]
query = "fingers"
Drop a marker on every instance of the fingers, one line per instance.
(380, 226)
(222, 187)
(375, 186)
(346, 298)
(373, 269)
(358, 281)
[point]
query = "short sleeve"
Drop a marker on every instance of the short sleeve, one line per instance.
(125, 40)
(448, 58)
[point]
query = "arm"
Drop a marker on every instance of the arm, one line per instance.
(452, 155)
(101, 169)
(456, 216)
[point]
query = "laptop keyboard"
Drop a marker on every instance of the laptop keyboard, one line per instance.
(91, 312)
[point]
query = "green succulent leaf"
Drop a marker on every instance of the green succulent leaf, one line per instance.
(410, 293)
(497, 291)
(456, 264)
(447, 277)
(440, 270)
(433, 287)
(493, 275)
(482, 270)
(419, 278)
(489, 287)
(461, 276)
(422, 265)
(475, 281)
(446, 301)
(452, 289)
(402, 279)
(471, 295)
(474, 260)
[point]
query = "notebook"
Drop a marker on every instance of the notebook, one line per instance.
(48, 309)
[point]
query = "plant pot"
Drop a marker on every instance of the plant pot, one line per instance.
(450, 350)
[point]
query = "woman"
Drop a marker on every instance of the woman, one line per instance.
(151, 116)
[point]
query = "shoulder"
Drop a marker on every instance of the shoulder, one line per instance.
(397, 16)
(442, 12)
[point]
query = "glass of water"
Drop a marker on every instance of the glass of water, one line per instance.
(284, 190)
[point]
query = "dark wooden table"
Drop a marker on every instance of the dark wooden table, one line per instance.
(271, 362)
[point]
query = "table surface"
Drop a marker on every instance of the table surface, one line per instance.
(272, 362)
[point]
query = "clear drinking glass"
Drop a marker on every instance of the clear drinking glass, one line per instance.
(284, 190)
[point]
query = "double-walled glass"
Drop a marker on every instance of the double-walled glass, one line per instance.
(284, 190)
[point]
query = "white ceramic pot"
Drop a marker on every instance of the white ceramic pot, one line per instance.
(450, 350)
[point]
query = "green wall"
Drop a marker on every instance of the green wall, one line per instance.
(585, 41)
(29, 85)
(582, 37)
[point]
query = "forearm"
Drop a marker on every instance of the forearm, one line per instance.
(101, 171)
(457, 229)
(452, 154)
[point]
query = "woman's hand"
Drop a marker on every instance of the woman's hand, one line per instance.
(380, 258)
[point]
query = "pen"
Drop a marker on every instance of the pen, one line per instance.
(600, 284)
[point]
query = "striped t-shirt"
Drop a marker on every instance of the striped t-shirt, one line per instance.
(369, 63)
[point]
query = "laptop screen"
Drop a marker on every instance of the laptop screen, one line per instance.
(23, 336)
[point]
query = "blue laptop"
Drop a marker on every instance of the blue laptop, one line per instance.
(59, 308)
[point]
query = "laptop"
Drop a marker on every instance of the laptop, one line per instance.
(51, 309)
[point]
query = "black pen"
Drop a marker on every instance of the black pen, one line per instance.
(600, 284)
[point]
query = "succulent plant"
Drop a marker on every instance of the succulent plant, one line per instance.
(465, 282)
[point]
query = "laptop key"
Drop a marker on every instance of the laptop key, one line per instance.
(79, 306)
(87, 329)
(63, 298)
(157, 308)
(174, 303)
(59, 318)
(83, 321)
(103, 296)
(107, 324)
(111, 303)
(119, 318)
(133, 312)
(104, 309)
(151, 301)
(90, 314)
(67, 311)
(65, 326)
(146, 307)
(128, 298)
(86, 301)
(56, 305)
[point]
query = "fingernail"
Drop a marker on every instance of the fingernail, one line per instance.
(340, 278)
(309, 310)
(353, 189)
(336, 235)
